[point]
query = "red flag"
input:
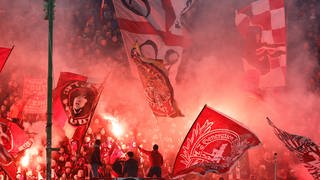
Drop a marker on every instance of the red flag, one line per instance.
(74, 103)
(304, 148)
(4, 54)
(263, 28)
(156, 84)
(13, 140)
(213, 144)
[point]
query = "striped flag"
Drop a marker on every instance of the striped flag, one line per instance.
(304, 148)
(4, 54)
(263, 28)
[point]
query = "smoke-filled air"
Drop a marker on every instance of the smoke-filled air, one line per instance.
(88, 40)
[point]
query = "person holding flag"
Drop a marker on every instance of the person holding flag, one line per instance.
(156, 161)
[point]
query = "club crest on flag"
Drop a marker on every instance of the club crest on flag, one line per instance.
(213, 144)
(157, 87)
(203, 136)
(6, 142)
(77, 99)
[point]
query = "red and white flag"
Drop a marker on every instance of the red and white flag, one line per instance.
(74, 103)
(157, 87)
(304, 148)
(155, 28)
(155, 25)
(263, 28)
(13, 140)
(213, 144)
(4, 54)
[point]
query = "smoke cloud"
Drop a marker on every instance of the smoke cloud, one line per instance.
(210, 73)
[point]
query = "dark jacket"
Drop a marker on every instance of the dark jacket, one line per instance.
(131, 168)
(95, 156)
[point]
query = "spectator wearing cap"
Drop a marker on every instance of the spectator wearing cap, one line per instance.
(131, 166)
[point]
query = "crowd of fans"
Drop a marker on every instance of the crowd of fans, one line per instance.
(97, 36)
(308, 16)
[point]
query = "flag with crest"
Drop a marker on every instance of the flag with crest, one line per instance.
(263, 28)
(213, 144)
(13, 140)
(74, 103)
(304, 148)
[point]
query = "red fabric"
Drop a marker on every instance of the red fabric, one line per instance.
(4, 54)
(158, 89)
(155, 26)
(214, 143)
(67, 115)
(147, 28)
(59, 115)
(13, 140)
(262, 25)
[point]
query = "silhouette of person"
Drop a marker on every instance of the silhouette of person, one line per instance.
(95, 158)
(131, 166)
(156, 161)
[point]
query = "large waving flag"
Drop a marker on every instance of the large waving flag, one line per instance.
(13, 140)
(74, 103)
(156, 27)
(157, 87)
(263, 28)
(4, 54)
(304, 148)
(213, 144)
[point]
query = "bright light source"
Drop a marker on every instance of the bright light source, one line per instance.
(117, 129)
(25, 160)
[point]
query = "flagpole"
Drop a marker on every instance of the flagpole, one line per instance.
(275, 165)
(49, 17)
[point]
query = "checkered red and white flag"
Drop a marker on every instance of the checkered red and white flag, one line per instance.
(263, 27)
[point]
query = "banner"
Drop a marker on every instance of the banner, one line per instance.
(155, 26)
(74, 102)
(263, 28)
(213, 144)
(157, 87)
(4, 54)
(304, 148)
(13, 140)
(35, 90)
